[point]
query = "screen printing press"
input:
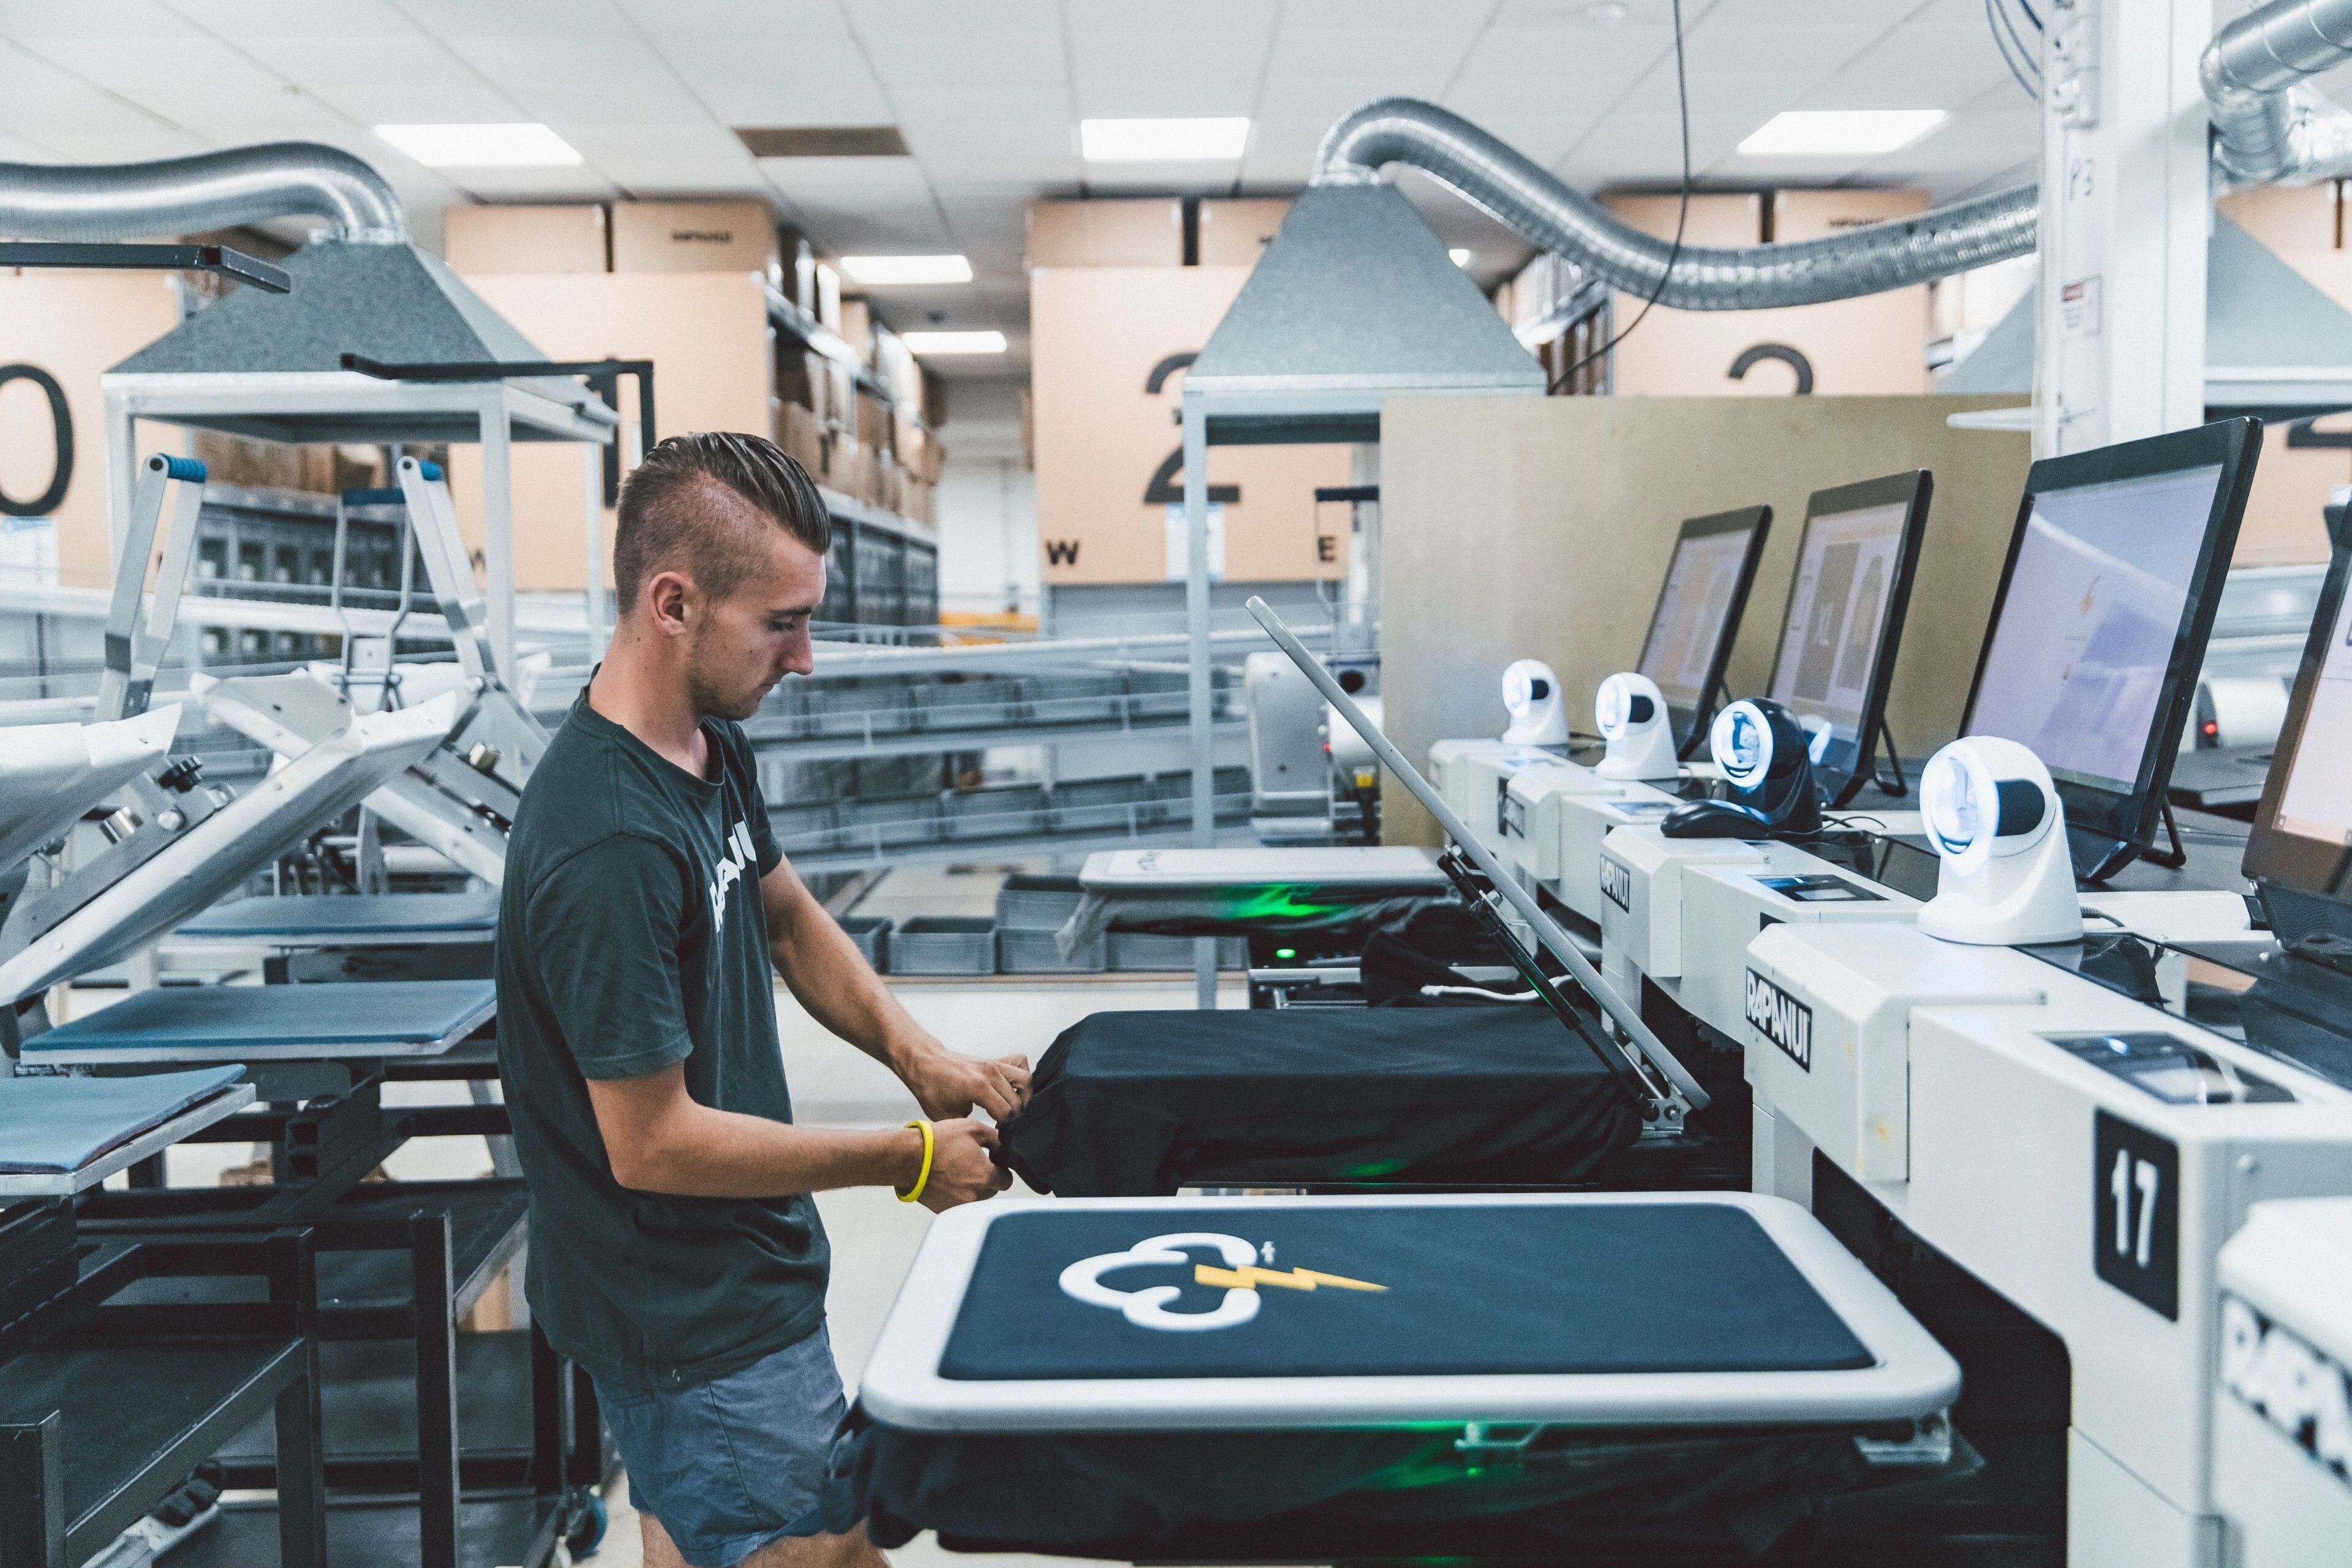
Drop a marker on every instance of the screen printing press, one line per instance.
(1271, 1379)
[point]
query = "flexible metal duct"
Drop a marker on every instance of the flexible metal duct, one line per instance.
(1548, 213)
(2267, 129)
(209, 191)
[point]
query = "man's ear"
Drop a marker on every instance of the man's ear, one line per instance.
(669, 600)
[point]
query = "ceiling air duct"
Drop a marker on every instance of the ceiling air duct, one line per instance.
(361, 288)
(1543, 209)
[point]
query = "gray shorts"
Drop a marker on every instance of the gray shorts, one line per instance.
(733, 1464)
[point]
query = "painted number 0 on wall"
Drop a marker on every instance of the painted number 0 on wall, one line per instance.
(61, 421)
(2136, 1213)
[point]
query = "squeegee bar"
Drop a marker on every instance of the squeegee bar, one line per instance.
(1546, 929)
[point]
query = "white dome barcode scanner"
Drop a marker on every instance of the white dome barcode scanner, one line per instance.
(1630, 713)
(1531, 693)
(2008, 876)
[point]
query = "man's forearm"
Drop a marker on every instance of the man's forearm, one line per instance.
(829, 977)
(701, 1152)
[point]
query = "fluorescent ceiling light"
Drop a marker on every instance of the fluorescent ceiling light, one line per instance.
(953, 342)
(1840, 132)
(886, 271)
(1162, 141)
(1462, 256)
(481, 146)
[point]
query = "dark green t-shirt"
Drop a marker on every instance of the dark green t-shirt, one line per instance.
(632, 935)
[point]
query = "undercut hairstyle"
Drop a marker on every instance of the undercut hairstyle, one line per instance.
(683, 509)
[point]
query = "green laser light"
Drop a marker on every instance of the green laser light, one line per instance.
(1286, 953)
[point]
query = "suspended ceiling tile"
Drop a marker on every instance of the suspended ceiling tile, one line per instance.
(667, 20)
(92, 19)
(554, 20)
(1222, 54)
(931, 55)
(1800, 51)
(251, 19)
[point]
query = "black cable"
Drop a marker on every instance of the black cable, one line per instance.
(1999, 43)
(2026, 56)
(1682, 217)
(2024, 6)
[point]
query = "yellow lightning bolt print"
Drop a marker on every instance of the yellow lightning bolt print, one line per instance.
(1251, 1277)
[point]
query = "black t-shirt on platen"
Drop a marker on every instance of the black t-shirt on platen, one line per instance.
(632, 935)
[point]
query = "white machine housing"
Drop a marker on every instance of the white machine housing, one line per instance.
(1630, 713)
(1582, 823)
(2008, 876)
(1640, 874)
(1725, 907)
(1531, 695)
(2096, 1209)
(2282, 1402)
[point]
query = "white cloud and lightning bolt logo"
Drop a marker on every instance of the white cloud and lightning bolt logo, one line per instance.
(1241, 1276)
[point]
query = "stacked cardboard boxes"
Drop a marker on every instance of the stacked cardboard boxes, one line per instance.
(684, 285)
(1116, 311)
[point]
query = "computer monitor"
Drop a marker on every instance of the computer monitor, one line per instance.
(1697, 613)
(2099, 625)
(2301, 839)
(1836, 653)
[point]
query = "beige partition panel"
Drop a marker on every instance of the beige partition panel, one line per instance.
(1541, 527)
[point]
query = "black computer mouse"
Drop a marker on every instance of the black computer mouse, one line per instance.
(1714, 819)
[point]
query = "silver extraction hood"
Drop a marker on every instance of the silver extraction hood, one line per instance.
(2275, 345)
(1354, 301)
(391, 304)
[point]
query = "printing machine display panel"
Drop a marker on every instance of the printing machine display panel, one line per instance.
(2100, 1206)
(1725, 907)
(1641, 873)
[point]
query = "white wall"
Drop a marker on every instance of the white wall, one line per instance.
(986, 505)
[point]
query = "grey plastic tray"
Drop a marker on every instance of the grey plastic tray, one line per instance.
(943, 945)
(1038, 953)
(1138, 952)
(872, 935)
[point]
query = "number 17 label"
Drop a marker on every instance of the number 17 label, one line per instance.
(2136, 1213)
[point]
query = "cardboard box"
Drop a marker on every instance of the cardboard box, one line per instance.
(873, 421)
(569, 238)
(1235, 233)
(857, 330)
(1104, 445)
(801, 437)
(1131, 233)
(1818, 215)
(318, 468)
(1872, 345)
(1726, 217)
(696, 237)
(2288, 218)
(706, 332)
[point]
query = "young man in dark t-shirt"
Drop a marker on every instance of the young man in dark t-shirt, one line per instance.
(676, 1252)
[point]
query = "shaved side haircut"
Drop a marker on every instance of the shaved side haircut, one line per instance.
(699, 503)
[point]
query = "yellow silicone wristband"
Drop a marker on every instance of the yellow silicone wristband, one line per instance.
(923, 1176)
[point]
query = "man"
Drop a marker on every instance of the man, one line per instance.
(676, 1252)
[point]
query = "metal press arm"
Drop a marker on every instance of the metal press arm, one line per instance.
(139, 630)
(1556, 941)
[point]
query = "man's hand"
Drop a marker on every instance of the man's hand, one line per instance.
(946, 1084)
(962, 1171)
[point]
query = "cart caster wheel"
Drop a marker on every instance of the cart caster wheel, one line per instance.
(587, 1530)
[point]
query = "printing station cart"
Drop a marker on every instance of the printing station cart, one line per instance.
(1320, 1380)
(490, 1435)
(114, 1382)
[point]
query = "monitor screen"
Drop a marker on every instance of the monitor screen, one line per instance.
(1850, 567)
(2303, 829)
(2076, 662)
(1698, 609)
(2315, 800)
